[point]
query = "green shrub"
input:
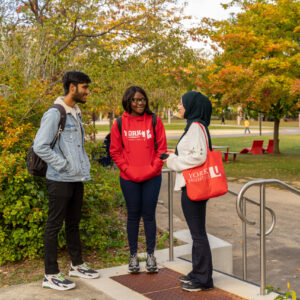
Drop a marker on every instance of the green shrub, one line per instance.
(24, 209)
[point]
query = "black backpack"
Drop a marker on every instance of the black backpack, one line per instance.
(35, 165)
(154, 121)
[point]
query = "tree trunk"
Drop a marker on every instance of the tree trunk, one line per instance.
(111, 120)
(259, 118)
(94, 126)
(276, 135)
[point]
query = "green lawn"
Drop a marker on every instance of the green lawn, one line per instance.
(234, 123)
(256, 123)
(285, 166)
(176, 126)
(215, 124)
(102, 128)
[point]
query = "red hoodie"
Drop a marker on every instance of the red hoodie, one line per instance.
(138, 160)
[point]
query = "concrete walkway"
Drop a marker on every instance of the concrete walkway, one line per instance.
(34, 291)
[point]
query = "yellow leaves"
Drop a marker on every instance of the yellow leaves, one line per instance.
(273, 48)
(297, 29)
(295, 91)
(11, 135)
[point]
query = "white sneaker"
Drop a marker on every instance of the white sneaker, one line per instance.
(57, 282)
(83, 271)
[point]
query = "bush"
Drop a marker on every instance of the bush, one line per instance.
(24, 209)
(23, 198)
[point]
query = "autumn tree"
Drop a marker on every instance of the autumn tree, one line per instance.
(257, 59)
(49, 37)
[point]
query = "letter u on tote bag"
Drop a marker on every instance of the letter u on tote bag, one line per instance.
(208, 180)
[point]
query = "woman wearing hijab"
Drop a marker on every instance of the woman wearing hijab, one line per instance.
(135, 148)
(191, 151)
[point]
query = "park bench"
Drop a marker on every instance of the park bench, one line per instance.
(226, 155)
(256, 148)
(270, 147)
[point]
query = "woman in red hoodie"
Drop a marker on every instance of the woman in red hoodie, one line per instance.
(136, 153)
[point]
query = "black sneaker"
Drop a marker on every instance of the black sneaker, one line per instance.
(151, 265)
(57, 282)
(184, 279)
(193, 287)
(134, 265)
(83, 271)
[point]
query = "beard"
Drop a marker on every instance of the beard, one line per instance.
(78, 98)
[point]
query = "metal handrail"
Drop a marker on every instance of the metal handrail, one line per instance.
(170, 212)
(241, 211)
(271, 211)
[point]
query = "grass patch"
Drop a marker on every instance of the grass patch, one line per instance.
(177, 126)
(102, 128)
(285, 166)
(230, 124)
(256, 123)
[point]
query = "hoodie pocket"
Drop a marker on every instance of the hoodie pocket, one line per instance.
(138, 174)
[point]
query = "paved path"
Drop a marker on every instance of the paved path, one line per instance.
(34, 291)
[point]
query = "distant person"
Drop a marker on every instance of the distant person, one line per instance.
(105, 160)
(135, 153)
(247, 126)
(191, 151)
(68, 167)
(223, 120)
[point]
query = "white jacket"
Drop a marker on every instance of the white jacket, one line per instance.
(192, 152)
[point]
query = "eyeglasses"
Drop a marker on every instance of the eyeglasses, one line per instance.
(137, 100)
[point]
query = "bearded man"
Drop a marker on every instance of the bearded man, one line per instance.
(68, 167)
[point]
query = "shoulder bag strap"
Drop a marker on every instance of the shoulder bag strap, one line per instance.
(205, 134)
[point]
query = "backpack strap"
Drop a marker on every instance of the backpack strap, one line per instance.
(154, 121)
(61, 124)
(63, 115)
(119, 123)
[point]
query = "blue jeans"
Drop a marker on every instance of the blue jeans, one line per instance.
(141, 201)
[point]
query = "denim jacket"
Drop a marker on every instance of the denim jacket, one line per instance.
(67, 161)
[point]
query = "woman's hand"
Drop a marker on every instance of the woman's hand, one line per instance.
(169, 151)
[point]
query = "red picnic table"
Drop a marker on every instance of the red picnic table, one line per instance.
(226, 153)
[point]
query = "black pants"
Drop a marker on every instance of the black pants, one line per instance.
(195, 213)
(65, 201)
(141, 201)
